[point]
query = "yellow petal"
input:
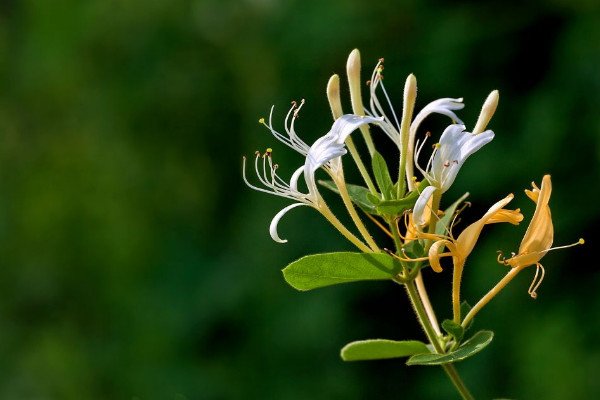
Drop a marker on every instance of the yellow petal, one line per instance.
(467, 239)
(434, 255)
(540, 233)
(503, 215)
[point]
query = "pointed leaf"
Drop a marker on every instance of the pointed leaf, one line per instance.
(453, 329)
(443, 224)
(382, 176)
(378, 349)
(318, 270)
(395, 207)
(414, 249)
(358, 195)
(398, 206)
(471, 347)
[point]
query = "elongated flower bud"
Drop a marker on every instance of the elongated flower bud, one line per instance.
(487, 111)
(333, 95)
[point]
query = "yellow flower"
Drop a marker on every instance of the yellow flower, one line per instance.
(540, 233)
(461, 247)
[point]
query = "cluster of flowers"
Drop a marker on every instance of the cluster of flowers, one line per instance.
(416, 202)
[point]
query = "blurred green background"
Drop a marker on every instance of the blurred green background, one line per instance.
(135, 264)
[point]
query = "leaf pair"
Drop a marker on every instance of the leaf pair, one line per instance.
(377, 349)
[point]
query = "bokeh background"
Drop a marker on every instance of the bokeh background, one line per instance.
(135, 264)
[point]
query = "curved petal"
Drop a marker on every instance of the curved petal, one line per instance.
(540, 233)
(331, 145)
(295, 177)
(456, 145)
(467, 239)
(348, 123)
(419, 211)
(434, 254)
(275, 221)
(445, 106)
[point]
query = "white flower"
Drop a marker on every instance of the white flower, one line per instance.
(325, 152)
(444, 106)
(449, 155)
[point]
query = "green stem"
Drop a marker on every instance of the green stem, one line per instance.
(434, 340)
(342, 229)
(490, 295)
(341, 185)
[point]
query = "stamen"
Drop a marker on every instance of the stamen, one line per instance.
(261, 121)
(379, 224)
(534, 286)
(501, 255)
(447, 163)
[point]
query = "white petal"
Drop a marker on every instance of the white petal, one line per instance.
(295, 177)
(275, 221)
(456, 145)
(331, 145)
(445, 106)
(419, 209)
(348, 123)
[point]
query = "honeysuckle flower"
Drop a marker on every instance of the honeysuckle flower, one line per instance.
(449, 155)
(538, 237)
(391, 127)
(461, 247)
(326, 152)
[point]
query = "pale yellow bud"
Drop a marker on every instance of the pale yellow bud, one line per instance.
(333, 95)
(487, 111)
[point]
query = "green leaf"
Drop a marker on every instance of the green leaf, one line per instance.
(382, 176)
(414, 249)
(318, 270)
(453, 329)
(373, 199)
(443, 224)
(358, 195)
(471, 347)
(378, 349)
(395, 207)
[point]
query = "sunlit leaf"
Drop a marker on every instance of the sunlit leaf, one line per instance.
(318, 270)
(377, 349)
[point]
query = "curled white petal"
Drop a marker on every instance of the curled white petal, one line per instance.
(295, 177)
(275, 221)
(421, 204)
(456, 145)
(445, 106)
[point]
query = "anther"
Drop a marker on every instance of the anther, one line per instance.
(275, 166)
(261, 121)
(257, 153)
(581, 241)
(294, 103)
(455, 161)
(368, 82)
(428, 134)
(381, 60)
(447, 164)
